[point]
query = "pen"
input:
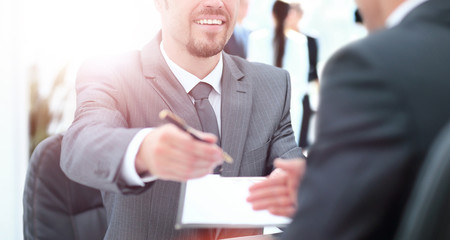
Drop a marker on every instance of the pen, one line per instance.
(180, 123)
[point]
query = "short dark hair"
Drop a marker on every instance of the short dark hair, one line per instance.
(358, 17)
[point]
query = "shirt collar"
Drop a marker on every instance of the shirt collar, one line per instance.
(188, 80)
(401, 11)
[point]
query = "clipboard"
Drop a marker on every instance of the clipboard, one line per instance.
(220, 202)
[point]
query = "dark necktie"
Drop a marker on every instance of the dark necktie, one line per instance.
(204, 109)
(205, 112)
(208, 120)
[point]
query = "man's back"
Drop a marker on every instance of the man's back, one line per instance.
(384, 99)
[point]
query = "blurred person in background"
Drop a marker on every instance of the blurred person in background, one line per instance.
(359, 30)
(310, 99)
(284, 48)
(377, 118)
(237, 45)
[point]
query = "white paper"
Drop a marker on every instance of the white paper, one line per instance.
(221, 201)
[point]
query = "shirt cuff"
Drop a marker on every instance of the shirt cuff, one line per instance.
(128, 172)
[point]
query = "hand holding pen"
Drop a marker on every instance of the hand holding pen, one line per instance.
(169, 153)
(180, 123)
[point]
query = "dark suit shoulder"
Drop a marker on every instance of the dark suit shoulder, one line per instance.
(391, 51)
(402, 46)
(406, 60)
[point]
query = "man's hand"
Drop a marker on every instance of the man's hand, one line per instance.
(172, 154)
(278, 193)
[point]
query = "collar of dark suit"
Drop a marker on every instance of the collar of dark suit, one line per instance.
(401, 11)
(431, 10)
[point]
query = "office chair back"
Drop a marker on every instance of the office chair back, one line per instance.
(427, 214)
(56, 207)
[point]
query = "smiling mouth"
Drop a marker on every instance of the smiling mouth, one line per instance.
(209, 22)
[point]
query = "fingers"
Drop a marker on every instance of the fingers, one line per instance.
(199, 151)
(287, 211)
(274, 197)
(278, 172)
(172, 154)
(273, 203)
(260, 193)
(207, 137)
(278, 193)
(271, 181)
(294, 168)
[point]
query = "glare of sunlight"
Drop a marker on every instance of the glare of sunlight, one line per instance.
(60, 34)
(60, 30)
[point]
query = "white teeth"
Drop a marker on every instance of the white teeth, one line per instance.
(209, 22)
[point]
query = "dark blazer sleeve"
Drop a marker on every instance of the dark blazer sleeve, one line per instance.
(95, 144)
(357, 163)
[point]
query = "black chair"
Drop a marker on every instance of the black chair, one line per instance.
(56, 207)
(427, 214)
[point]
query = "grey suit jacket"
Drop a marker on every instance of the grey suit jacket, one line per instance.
(383, 101)
(117, 97)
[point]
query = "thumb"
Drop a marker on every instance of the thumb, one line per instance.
(290, 165)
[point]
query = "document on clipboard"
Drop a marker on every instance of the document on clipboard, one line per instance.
(220, 202)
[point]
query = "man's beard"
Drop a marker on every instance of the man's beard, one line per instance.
(206, 48)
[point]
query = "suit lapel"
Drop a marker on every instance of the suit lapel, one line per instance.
(236, 100)
(166, 85)
(236, 110)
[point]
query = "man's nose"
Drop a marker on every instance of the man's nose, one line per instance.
(213, 3)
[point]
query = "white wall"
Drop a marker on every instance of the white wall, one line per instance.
(51, 34)
(13, 120)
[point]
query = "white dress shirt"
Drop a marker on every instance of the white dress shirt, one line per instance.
(188, 81)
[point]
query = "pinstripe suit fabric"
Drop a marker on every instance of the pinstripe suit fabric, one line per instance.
(117, 97)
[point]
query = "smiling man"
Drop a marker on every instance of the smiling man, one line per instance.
(118, 144)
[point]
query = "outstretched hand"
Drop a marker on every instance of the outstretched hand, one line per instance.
(278, 193)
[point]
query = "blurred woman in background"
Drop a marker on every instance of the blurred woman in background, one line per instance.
(287, 49)
(310, 100)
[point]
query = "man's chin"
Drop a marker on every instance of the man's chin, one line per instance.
(203, 51)
(206, 45)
